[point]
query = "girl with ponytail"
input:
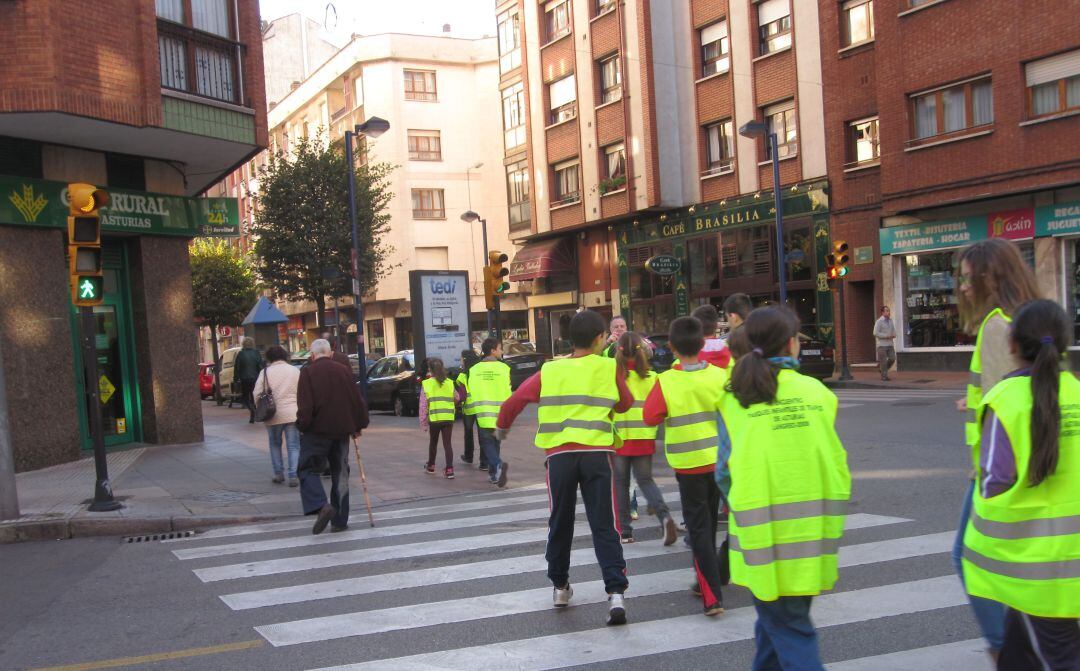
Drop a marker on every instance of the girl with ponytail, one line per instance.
(1025, 508)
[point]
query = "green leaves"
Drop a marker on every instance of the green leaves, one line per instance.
(223, 284)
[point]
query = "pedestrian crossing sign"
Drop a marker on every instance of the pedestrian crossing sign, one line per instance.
(105, 389)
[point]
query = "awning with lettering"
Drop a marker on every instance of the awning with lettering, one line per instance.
(542, 258)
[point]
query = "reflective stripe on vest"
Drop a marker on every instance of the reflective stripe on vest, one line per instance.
(467, 408)
(790, 490)
(974, 387)
(1022, 547)
(489, 386)
(690, 434)
(576, 399)
(630, 424)
(440, 399)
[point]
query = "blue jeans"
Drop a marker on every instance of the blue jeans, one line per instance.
(292, 445)
(489, 450)
(990, 615)
(315, 452)
(785, 636)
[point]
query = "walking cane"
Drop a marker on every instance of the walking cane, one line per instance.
(363, 482)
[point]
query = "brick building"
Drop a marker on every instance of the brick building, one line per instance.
(621, 143)
(153, 106)
(938, 136)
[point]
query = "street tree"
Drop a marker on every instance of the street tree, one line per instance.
(223, 289)
(303, 236)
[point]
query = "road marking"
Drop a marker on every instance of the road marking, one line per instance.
(533, 600)
(594, 646)
(443, 546)
(157, 657)
(960, 655)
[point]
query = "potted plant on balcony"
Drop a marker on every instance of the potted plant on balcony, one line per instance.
(612, 184)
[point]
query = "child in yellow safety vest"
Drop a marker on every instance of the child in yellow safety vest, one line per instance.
(787, 484)
(685, 400)
(1022, 543)
(438, 406)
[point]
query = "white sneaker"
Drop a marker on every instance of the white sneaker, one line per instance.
(561, 597)
(616, 610)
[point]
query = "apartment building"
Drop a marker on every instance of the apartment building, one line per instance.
(440, 95)
(621, 144)
(153, 102)
(949, 122)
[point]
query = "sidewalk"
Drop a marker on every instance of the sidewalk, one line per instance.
(867, 377)
(226, 480)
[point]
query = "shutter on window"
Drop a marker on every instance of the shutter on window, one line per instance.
(1053, 68)
(716, 31)
(771, 10)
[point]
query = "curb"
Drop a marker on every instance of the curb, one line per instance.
(855, 384)
(84, 527)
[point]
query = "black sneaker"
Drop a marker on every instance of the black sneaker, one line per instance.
(467, 460)
(483, 466)
(616, 610)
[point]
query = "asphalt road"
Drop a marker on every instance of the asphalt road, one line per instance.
(458, 582)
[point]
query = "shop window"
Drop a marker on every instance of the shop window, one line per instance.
(746, 252)
(1053, 84)
(20, 158)
(799, 252)
(951, 109)
(774, 26)
(858, 21)
(780, 119)
(125, 172)
(1073, 278)
(864, 146)
(715, 47)
(376, 341)
(403, 332)
(610, 79)
(704, 262)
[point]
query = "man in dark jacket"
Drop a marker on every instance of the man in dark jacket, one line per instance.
(247, 366)
(329, 411)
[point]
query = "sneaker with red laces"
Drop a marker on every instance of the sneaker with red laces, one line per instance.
(449, 473)
(429, 468)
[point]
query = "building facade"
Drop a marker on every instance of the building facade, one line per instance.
(935, 142)
(153, 106)
(621, 139)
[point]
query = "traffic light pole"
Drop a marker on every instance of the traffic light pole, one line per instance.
(490, 317)
(845, 371)
(779, 207)
(103, 496)
(9, 497)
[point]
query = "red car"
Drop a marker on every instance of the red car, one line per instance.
(206, 380)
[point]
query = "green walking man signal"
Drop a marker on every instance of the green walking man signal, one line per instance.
(89, 288)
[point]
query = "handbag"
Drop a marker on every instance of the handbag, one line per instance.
(265, 407)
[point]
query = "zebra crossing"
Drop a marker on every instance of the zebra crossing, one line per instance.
(476, 562)
(850, 398)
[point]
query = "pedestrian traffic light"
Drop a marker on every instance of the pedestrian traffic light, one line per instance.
(84, 243)
(840, 252)
(495, 284)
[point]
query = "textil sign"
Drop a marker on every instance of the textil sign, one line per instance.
(37, 202)
(1011, 225)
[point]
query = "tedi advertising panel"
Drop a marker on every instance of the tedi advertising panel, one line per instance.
(440, 313)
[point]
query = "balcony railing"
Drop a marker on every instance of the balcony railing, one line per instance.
(199, 63)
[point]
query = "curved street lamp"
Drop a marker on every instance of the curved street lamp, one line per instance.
(470, 217)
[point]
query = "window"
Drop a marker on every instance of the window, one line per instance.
(953, 108)
(125, 172)
(420, 85)
(780, 119)
(428, 204)
(774, 26)
(562, 99)
(509, 40)
(425, 145)
(863, 141)
(358, 91)
(858, 21)
(610, 79)
(556, 19)
(1053, 84)
(566, 188)
(719, 147)
(613, 168)
(603, 6)
(433, 258)
(714, 49)
(517, 191)
(513, 99)
(197, 53)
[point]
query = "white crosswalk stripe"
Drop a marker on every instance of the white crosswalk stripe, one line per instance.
(301, 590)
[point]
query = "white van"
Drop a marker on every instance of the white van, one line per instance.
(230, 388)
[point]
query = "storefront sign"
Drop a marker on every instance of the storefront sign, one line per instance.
(37, 202)
(441, 317)
(932, 235)
(1063, 219)
(663, 264)
(1013, 224)
(864, 255)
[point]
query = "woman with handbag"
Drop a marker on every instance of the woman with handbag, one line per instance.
(275, 406)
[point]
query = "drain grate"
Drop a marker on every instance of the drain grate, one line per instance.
(225, 496)
(169, 535)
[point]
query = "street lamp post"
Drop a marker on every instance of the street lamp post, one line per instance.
(755, 129)
(373, 128)
(470, 217)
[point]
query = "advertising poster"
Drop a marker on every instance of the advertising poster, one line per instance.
(440, 300)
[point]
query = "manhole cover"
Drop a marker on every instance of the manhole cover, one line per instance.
(225, 496)
(913, 403)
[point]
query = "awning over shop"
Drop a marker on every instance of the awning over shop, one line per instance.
(541, 259)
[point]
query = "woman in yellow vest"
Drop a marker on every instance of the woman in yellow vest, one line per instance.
(438, 403)
(789, 489)
(638, 440)
(992, 282)
(1022, 544)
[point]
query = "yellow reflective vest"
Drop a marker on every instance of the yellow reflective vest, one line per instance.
(790, 489)
(1022, 547)
(690, 435)
(489, 386)
(630, 424)
(577, 396)
(440, 398)
(974, 387)
(466, 408)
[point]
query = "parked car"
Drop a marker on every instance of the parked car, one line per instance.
(523, 360)
(230, 388)
(393, 384)
(206, 380)
(816, 357)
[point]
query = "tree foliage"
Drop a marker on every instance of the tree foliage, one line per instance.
(303, 236)
(223, 286)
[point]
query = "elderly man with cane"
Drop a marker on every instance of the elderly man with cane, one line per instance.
(329, 411)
